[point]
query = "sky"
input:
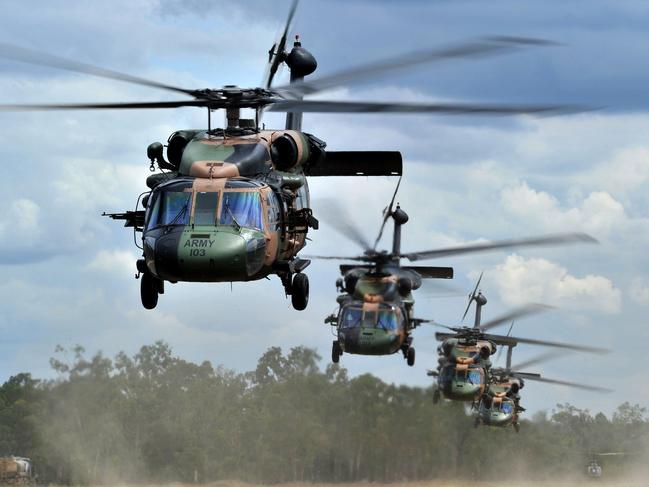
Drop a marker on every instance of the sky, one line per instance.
(68, 272)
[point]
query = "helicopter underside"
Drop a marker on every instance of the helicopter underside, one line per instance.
(370, 341)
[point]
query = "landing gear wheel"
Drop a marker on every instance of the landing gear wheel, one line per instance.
(410, 356)
(300, 291)
(517, 427)
(476, 423)
(436, 396)
(336, 352)
(149, 288)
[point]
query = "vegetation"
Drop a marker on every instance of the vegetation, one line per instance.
(156, 417)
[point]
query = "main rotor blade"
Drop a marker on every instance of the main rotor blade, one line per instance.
(507, 340)
(281, 46)
(576, 385)
(104, 106)
(322, 106)
(340, 220)
(471, 297)
(388, 214)
(539, 359)
(30, 56)
(558, 239)
(526, 310)
(473, 49)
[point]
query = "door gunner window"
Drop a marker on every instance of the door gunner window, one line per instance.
(205, 208)
(243, 208)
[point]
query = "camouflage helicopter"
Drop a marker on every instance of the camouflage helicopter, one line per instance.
(500, 404)
(464, 371)
(376, 307)
(232, 204)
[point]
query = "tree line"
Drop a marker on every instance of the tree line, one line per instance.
(154, 417)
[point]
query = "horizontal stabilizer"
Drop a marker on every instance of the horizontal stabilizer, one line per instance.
(429, 272)
(357, 163)
(426, 272)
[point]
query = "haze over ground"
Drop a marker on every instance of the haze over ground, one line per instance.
(68, 272)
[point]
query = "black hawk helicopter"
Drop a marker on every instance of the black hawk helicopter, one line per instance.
(376, 305)
(232, 204)
(465, 372)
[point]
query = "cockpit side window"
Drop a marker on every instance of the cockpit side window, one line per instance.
(351, 317)
(171, 208)
(388, 320)
(205, 208)
(473, 377)
(274, 214)
(243, 208)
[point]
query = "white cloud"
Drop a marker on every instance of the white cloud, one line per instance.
(519, 280)
(598, 213)
(639, 291)
(118, 262)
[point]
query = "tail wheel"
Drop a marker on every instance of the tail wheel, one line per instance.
(300, 291)
(410, 356)
(149, 287)
(336, 352)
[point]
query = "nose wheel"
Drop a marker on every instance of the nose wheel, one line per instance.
(150, 288)
(408, 351)
(297, 286)
(336, 352)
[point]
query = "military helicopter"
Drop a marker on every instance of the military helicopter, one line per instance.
(464, 371)
(500, 404)
(375, 308)
(232, 204)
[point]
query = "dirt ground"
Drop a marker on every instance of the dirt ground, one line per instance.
(638, 482)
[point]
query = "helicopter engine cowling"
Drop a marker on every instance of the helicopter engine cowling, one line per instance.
(288, 149)
(176, 145)
(350, 282)
(405, 286)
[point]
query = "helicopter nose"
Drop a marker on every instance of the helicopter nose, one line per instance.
(211, 257)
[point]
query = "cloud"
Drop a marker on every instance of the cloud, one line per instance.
(519, 280)
(599, 213)
(639, 291)
(118, 262)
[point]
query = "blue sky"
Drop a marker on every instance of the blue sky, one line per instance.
(68, 273)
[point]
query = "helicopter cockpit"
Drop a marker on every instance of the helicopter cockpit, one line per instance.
(470, 375)
(381, 316)
(238, 203)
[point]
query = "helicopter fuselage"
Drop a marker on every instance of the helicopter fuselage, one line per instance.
(463, 369)
(375, 311)
(227, 213)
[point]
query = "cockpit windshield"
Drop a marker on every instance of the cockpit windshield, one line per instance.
(171, 208)
(506, 407)
(242, 208)
(385, 318)
(174, 207)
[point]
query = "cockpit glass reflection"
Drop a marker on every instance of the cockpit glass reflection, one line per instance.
(171, 208)
(384, 318)
(205, 208)
(473, 377)
(242, 208)
(506, 407)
